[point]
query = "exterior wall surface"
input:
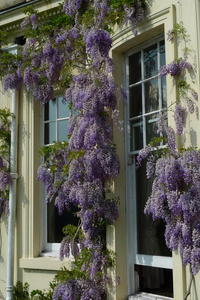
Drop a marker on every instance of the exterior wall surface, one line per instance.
(29, 265)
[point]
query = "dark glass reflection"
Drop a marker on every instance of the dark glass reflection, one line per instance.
(135, 68)
(153, 280)
(49, 133)
(150, 234)
(163, 92)
(162, 53)
(56, 222)
(136, 128)
(151, 95)
(50, 111)
(135, 100)
(151, 127)
(150, 61)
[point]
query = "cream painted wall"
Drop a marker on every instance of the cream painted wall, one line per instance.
(38, 271)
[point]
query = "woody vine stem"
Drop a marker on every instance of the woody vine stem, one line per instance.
(80, 38)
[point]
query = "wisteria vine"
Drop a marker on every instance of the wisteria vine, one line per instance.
(70, 53)
(5, 177)
(175, 195)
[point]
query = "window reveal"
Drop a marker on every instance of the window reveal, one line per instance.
(56, 118)
(147, 98)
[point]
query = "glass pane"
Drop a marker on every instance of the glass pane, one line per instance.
(150, 237)
(150, 61)
(136, 128)
(50, 111)
(62, 130)
(56, 222)
(135, 100)
(151, 127)
(162, 53)
(135, 68)
(155, 280)
(163, 92)
(49, 133)
(151, 95)
(63, 110)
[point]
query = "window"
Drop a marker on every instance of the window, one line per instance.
(148, 256)
(55, 123)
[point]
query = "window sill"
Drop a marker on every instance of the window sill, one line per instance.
(147, 296)
(44, 263)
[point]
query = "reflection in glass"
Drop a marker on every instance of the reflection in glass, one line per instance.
(135, 68)
(136, 134)
(163, 92)
(135, 100)
(63, 110)
(62, 130)
(50, 111)
(150, 234)
(154, 280)
(150, 61)
(50, 133)
(56, 222)
(162, 53)
(151, 95)
(151, 127)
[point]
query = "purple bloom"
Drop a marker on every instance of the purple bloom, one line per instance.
(5, 180)
(171, 140)
(179, 117)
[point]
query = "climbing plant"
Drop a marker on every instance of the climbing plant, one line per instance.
(5, 177)
(69, 53)
(175, 195)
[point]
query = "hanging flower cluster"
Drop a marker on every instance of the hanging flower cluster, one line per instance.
(5, 177)
(175, 195)
(70, 53)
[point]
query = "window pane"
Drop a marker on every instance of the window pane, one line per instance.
(136, 128)
(155, 280)
(49, 133)
(150, 61)
(50, 111)
(56, 222)
(135, 100)
(63, 110)
(151, 127)
(135, 68)
(162, 53)
(150, 234)
(151, 95)
(163, 92)
(62, 130)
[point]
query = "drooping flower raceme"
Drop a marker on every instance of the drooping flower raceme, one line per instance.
(175, 199)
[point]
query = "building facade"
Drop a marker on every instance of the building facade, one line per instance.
(143, 263)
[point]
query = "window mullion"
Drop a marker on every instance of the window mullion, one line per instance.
(143, 99)
(159, 79)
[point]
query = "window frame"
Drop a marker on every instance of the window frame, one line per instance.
(133, 257)
(48, 249)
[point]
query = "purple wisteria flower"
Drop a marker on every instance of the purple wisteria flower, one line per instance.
(180, 118)
(175, 199)
(176, 67)
(5, 180)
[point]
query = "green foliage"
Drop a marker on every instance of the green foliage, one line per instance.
(21, 292)
(73, 232)
(5, 116)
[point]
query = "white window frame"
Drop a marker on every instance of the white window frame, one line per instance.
(132, 255)
(48, 249)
